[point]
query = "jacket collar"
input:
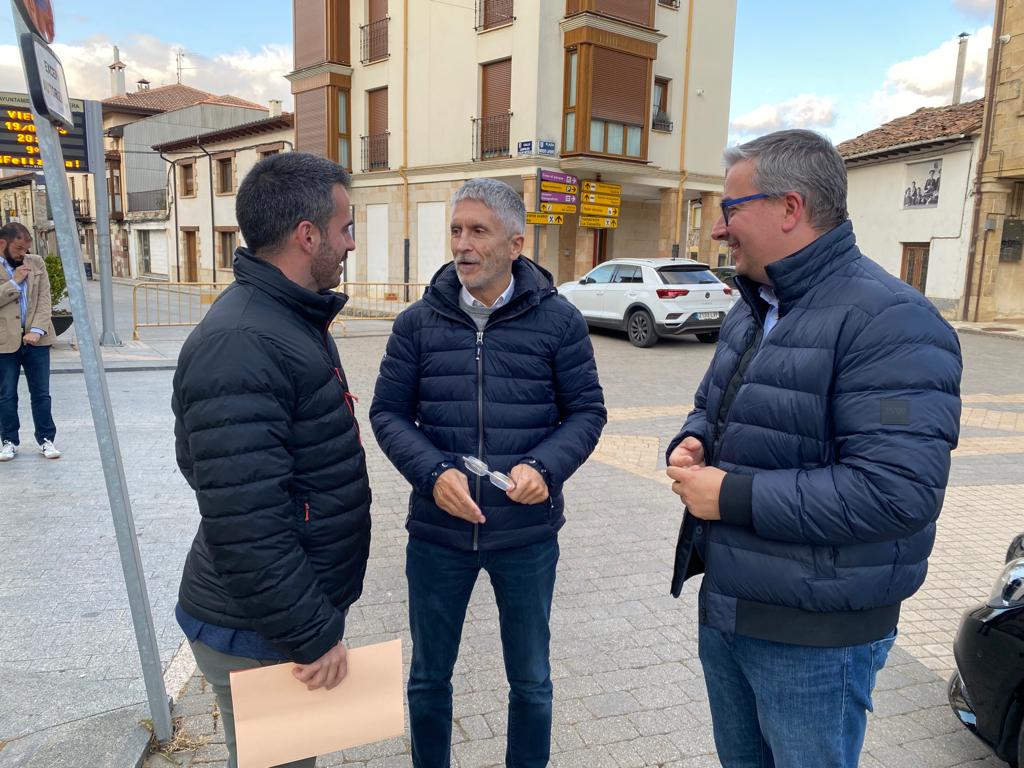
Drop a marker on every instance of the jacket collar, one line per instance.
(317, 308)
(533, 283)
(796, 274)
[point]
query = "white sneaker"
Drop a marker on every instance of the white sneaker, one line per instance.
(8, 450)
(49, 450)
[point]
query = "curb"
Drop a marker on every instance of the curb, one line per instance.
(991, 334)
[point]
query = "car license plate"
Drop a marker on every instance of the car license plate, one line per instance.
(707, 315)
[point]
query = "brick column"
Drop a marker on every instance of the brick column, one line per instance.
(709, 212)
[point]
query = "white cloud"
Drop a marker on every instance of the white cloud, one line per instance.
(927, 80)
(984, 9)
(254, 75)
(804, 111)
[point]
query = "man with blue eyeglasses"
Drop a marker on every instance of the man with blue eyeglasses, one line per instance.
(490, 374)
(812, 466)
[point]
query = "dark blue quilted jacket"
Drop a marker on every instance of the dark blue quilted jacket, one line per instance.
(525, 387)
(836, 434)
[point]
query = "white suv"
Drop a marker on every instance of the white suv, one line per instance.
(648, 298)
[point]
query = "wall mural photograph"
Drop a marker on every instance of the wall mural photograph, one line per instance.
(922, 185)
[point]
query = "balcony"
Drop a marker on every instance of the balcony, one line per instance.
(493, 13)
(669, 3)
(81, 208)
(373, 41)
(375, 152)
(661, 121)
(490, 137)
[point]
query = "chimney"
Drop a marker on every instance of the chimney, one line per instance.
(961, 60)
(275, 108)
(117, 86)
(143, 84)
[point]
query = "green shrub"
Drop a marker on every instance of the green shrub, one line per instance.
(58, 284)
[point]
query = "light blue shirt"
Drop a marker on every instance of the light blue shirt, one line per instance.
(22, 296)
(768, 294)
(470, 300)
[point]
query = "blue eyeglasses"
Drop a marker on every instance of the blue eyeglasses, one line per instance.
(727, 204)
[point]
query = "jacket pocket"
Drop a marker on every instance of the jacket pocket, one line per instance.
(824, 562)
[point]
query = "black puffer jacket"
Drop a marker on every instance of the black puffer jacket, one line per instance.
(265, 433)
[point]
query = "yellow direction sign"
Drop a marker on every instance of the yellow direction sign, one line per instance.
(554, 186)
(558, 207)
(599, 210)
(602, 188)
(590, 197)
(543, 218)
(596, 222)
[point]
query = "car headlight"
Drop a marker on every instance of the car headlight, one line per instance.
(1009, 589)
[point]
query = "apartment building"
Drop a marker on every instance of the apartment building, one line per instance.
(414, 98)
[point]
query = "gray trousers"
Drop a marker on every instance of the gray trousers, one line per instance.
(216, 668)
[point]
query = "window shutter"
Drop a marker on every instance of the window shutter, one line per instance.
(619, 87)
(311, 121)
(377, 107)
(497, 88)
(637, 11)
(378, 10)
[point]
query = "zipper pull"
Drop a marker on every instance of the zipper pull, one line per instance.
(306, 505)
(479, 343)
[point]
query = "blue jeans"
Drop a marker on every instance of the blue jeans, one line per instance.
(790, 706)
(440, 584)
(36, 362)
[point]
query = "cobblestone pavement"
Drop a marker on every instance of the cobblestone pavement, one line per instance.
(628, 685)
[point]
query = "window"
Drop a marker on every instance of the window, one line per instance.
(188, 179)
(375, 143)
(344, 134)
(493, 13)
(571, 78)
(914, 269)
(687, 274)
(618, 108)
(225, 175)
(660, 120)
(145, 253)
(602, 274)
(266, 150)
(114, 189)
(374, 34)
(491, 129)
(227, 241)
(629, 274)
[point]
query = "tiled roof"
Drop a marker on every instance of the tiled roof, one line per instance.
(170, 97)
(925, 125)
(281, 122)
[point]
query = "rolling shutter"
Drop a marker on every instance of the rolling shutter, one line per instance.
(377, 109)
(496, 98)
(619, 87)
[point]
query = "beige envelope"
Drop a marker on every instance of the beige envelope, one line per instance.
(277, 720)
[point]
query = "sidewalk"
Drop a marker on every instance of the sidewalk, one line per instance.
(1003, 330)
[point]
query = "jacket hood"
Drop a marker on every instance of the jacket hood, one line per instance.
(317, 308)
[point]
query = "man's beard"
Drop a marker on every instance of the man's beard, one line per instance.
(11, 260)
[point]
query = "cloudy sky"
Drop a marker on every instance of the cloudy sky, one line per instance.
(838, 67)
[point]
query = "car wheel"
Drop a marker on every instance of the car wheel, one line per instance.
(640, 329)
(711, 337)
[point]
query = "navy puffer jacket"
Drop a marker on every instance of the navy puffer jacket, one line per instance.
(524, 388)
(266, 434)
(836, 435)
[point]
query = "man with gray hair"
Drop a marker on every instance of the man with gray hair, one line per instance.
(487, 402)
(812, 466)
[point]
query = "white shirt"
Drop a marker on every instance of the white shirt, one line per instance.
(768, 294)
(471, 300)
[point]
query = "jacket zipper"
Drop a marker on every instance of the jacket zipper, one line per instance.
(350, 401)
(306, 505)
(480, 424)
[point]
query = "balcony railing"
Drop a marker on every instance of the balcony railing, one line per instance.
(490, 137)
(661, 121)
(493, 13)
(373, 41)
(81, 208)
(375, 152)
(669, 3)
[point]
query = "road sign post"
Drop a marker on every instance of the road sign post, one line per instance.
(46, 79)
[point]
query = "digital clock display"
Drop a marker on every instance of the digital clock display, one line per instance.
(19, 146)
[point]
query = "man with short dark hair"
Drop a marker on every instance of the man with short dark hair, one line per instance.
(265, 432)
(812, 466)
(491, 374)
(26, 334)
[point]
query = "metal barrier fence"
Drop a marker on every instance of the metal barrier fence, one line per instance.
(181, 305)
